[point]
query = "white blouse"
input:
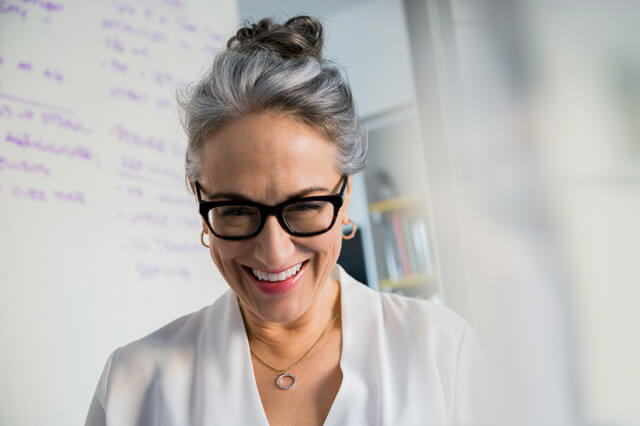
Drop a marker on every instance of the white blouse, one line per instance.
(404, 362)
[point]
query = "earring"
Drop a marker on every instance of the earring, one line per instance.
(202, 239)
(353, 231)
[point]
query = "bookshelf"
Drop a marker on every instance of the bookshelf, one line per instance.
(403, 246)
(396, 203)
(404, 254)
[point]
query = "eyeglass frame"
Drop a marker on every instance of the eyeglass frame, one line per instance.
(275, 210)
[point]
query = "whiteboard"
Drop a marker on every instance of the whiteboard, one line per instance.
(99, 238)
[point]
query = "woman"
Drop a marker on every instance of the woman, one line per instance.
(273, 143)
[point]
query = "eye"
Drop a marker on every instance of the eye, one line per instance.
(302, 207)
(236, 211)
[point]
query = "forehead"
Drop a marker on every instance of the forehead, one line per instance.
(266, 156)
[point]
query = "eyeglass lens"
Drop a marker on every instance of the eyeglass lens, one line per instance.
(303, 217)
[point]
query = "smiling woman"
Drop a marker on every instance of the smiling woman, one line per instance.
(274, 140)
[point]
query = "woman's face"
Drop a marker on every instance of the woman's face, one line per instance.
(269, 158)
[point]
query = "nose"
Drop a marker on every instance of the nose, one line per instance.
(273, 245)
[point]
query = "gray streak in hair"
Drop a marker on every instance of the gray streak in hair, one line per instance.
(240, 83)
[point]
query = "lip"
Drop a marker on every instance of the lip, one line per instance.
(279, 287)
(277, 271)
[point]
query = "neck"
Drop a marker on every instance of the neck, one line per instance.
(286, 341)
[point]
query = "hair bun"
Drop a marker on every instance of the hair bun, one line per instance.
(299, 37)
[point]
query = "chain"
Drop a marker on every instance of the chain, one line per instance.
(303, 356)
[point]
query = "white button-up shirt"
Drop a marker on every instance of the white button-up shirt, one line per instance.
(404, 362)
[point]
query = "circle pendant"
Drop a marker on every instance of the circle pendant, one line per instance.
(285, 387)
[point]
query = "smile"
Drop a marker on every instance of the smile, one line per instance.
(276, 282)
(280, 276)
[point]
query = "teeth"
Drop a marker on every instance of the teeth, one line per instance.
(281, 276)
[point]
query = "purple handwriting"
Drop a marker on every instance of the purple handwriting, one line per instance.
(129, 94)
(53, 75)
(118, 66)
(30, 193)
(147, 271)
(133, 138)
(74, 197)
(49, 6)
(172, 246)
(26, 114)
(136, 177)
(166, 173)
(47, 118)
(148, 14)
(175, 3)
(149, 218)
(124, 9)
(55, 119)
(5, 110)
(34, 103)
(162, 244)
(12, 9)
(176, 200)
(114, 44)
(134, 192)
(189, 221)
(162, 78)
(140, 51)
(24, 166)
(189, 27)
(131, 164)
(1, 60)
(35, 194)
(117, 25)
(26, 141)
(47, 73)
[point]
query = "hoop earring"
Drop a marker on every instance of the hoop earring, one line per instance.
(353, 231)
(202, 239)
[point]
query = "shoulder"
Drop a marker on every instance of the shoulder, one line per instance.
(421, 315)
(405, 313)
(424, 326)
(176, 342)
(418, 325)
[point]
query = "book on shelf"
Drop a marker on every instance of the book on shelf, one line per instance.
(401, 244)
(404, 241)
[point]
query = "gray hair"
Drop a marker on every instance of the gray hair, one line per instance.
(260, 80)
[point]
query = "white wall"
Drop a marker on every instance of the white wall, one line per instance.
(370, 42)
(100, 240)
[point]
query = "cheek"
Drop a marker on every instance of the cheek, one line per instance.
(329, 243)
(222, 251)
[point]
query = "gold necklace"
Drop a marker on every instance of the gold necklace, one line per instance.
(283, 371)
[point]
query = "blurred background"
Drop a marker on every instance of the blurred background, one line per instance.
(503, 182)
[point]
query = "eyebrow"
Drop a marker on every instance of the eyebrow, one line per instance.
(238, 196)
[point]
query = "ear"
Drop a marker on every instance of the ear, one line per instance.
(192, 187)
(205, 228)
(347, 201)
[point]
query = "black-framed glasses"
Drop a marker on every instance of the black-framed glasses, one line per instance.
(300, 216)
